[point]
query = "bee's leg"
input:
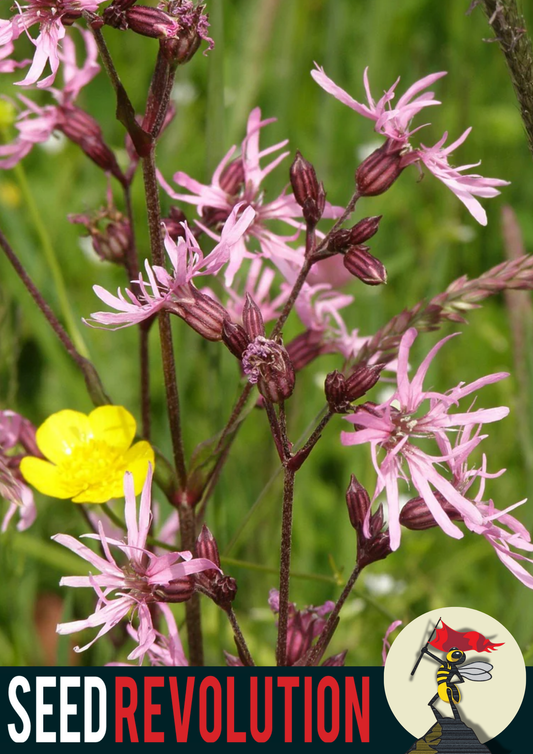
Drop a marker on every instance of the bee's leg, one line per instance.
(432, 701)
(452, 704)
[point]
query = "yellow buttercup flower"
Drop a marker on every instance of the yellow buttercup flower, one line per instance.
(88, 455)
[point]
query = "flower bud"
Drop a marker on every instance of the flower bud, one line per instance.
(150, 22)
(416, 515)
(193, 25)
(361, 380)
(378, 172)
(305, 348)
(343, 239)
(223, 590)
(373, 550)
(206, 547)
(267, 363)
(179, 590)
(358, 503)
(83, 130)
(252, 318)
(235, 338)
(335, 390)
(360, 262)
(232, 177)
(201, 312)
(308, 192)
(110, 233)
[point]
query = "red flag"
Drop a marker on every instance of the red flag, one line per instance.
(447, 638)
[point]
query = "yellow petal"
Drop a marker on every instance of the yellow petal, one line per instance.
(46, 478)
(137, 459)
(114, 426)
(62, 432)
(97, 493)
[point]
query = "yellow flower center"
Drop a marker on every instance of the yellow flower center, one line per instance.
(94, 460)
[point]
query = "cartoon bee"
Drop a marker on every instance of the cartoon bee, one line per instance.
(448, 691)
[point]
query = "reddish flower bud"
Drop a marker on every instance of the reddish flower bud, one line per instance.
(235, 338)
(223, 590)
(252, 319)
(193, 26)
(416, 515)
(267, 363)
(308, 192)
(358, 503)
(305, 348)
(206, 547)
(232, 177)
(201, 312)
(373, 550)
(360, 262)
(110, 233)
(378, 172)
(83, 130)
(361, 380)
(150, 22)
(179, 590)
(335, 390)
(343, 239)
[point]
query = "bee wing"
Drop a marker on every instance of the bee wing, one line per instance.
(476, 671)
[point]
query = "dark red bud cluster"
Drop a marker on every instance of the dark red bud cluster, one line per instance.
(110, 233)
(345, 238)
(374, 544)
(308, 192)
(362, 264)
(378, 172)
(341, 391)
(416, 515)
(220, 588)
(264, 361)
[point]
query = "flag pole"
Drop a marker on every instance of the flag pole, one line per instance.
(413, 671)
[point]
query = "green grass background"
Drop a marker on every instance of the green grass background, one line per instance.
(265, 50)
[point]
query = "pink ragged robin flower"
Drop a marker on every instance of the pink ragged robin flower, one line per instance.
(392, 122)
(36, 124)
(395, 124)
(238, 181)
(167, 649)
(53, 16)
(172, 291)
(465, 186)
(394, 426)
(124, 590)
(514, 535)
